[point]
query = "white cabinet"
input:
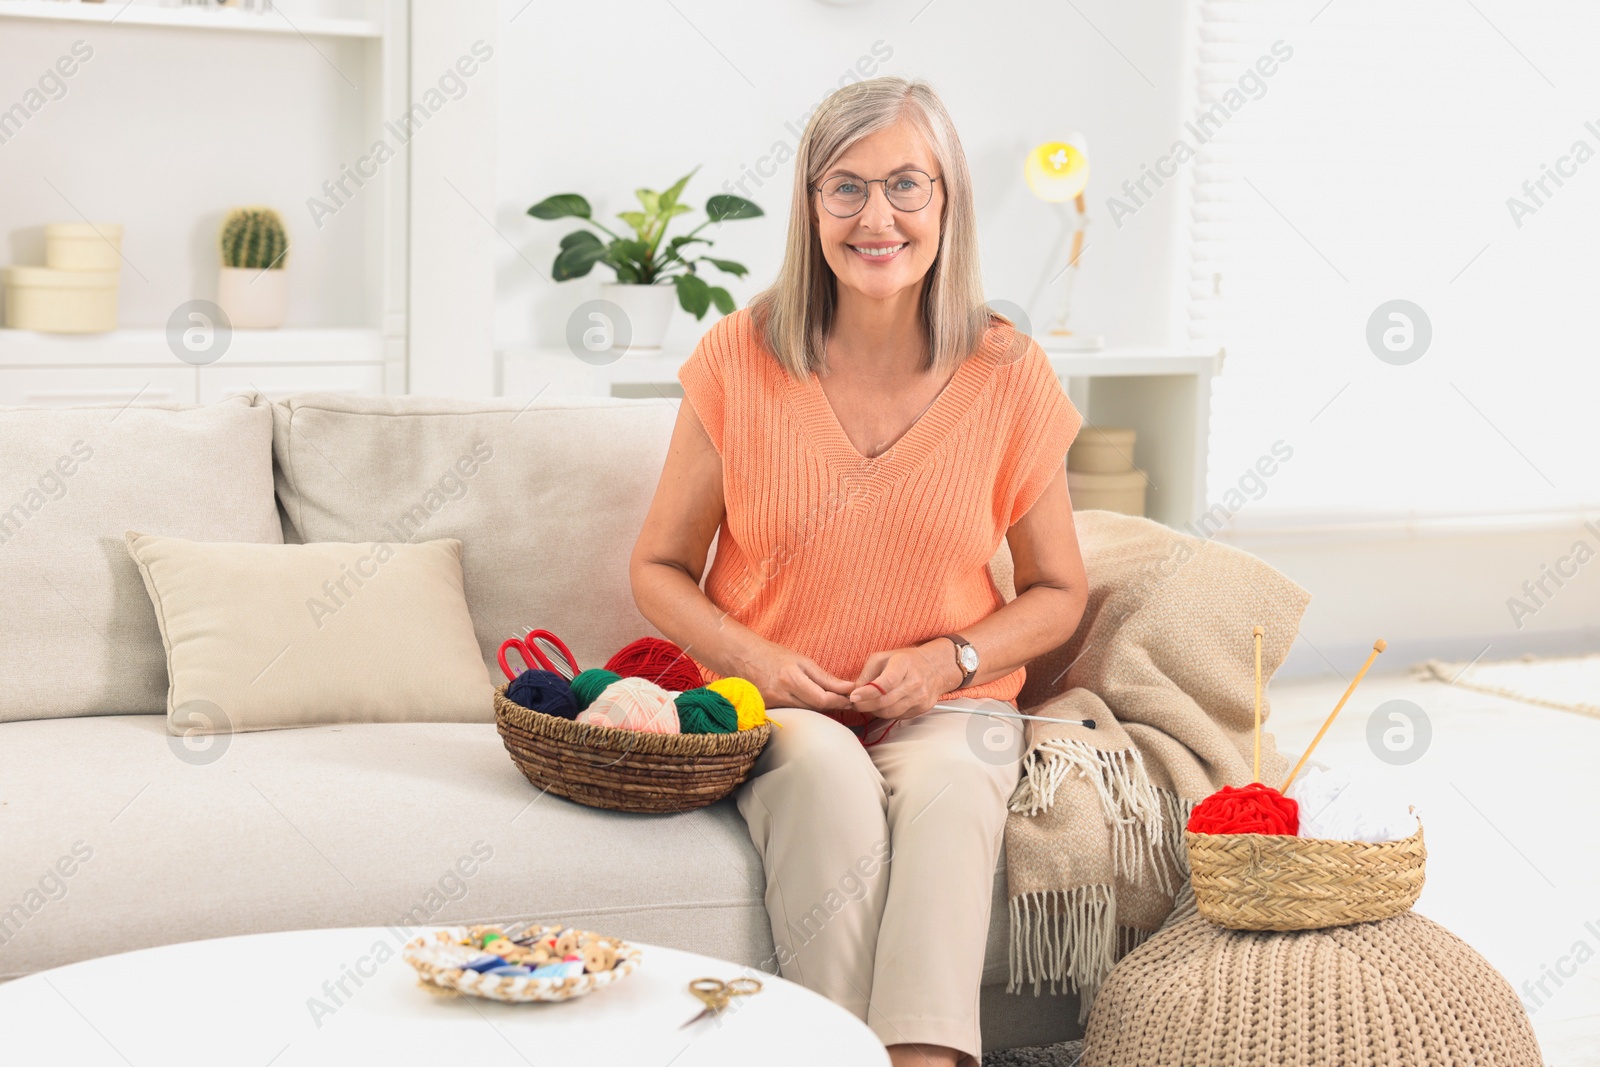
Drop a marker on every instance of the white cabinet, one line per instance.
(67, 386)
(278, 382)
(138, 366)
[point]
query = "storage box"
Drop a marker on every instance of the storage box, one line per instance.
(61, 301)
(1121, 492)
(1102, 450)
(80, 246)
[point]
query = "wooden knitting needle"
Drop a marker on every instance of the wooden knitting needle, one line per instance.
(1256, 775)
(1377, 646)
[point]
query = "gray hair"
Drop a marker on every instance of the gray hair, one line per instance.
(793, 315)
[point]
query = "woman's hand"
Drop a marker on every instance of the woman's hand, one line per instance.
(787, 679)
(912, 679)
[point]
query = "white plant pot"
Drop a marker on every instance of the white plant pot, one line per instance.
(253, 299)
(649, 311)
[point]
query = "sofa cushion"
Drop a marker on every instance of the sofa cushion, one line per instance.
(547, 499)
(414, 824)
(78, 636)
(261, 637)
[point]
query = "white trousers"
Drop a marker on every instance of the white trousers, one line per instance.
(880, 862)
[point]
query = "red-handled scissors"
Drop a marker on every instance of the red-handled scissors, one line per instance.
(538, 649)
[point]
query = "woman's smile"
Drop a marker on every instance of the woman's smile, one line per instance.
(878, 251)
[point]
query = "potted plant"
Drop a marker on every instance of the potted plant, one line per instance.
(253, 286)
(649, 269)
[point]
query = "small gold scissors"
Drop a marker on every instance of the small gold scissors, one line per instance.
(715, 994)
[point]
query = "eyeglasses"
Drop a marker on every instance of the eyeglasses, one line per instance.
(845, 195)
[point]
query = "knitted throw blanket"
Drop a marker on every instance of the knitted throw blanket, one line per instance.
(1164, 662)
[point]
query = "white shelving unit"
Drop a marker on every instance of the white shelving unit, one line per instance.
(287, 134)
(125, 13)
(1164, 394)
(138, 366)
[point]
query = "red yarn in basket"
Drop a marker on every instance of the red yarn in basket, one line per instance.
(658, 661)
(1246, 809)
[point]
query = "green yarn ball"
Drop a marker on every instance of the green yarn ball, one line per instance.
(705, 711)
(589, 684)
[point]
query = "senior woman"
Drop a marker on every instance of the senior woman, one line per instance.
(861, 437)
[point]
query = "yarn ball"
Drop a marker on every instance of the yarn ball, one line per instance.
(591, 683)
(544, 691)
(661, 662)
(704, 711)
(746, 700)
(1247, 809)
(633, 704)
(1342, 806)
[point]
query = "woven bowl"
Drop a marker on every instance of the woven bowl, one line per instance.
(1277, 882)
(438, 958)
(625, 770)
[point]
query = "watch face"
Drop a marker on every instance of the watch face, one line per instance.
(969, 658)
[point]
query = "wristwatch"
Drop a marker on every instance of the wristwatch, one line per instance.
(966, 658)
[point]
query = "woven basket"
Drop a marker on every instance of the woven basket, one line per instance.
(1277, 882)
(625, 770)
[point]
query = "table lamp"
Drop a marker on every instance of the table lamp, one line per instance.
(1057, 172)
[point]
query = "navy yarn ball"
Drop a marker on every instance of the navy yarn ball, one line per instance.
(544, 691)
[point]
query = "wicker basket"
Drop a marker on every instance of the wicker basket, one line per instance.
(1277, 882)
(625, 770)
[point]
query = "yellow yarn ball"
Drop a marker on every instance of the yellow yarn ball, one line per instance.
(746, 701)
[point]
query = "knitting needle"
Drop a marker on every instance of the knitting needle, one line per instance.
(1256, 776)
(1087, 724)
(1377, 646)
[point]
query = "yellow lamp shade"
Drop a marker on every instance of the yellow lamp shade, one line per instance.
(1056, 171)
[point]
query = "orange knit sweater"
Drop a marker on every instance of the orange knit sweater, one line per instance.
(835, 555)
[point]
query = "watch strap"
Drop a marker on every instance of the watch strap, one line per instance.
(960, 643)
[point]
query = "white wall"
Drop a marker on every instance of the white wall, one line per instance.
(1437, 592)
(601, 99)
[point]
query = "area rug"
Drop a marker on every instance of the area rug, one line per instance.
(1569, 683)
(1063, 1054)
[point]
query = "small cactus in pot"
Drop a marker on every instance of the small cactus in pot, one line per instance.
(252, 288)
(253, 238)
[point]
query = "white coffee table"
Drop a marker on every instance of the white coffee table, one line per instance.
(273, 999)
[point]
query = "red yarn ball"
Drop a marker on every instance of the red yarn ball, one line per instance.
(658, 661)
(1248, 809)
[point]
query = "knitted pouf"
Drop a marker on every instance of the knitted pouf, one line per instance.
(1401, 991)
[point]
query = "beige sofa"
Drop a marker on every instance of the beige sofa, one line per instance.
(118, 835)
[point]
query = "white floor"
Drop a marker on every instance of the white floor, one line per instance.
(1510, 802)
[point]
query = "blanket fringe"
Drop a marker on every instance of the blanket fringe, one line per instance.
(1144, 834)
(1063, 936)
(1070, 937)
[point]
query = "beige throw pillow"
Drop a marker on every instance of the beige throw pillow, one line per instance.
(261, 637)
(77, 636)
(547, 497)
